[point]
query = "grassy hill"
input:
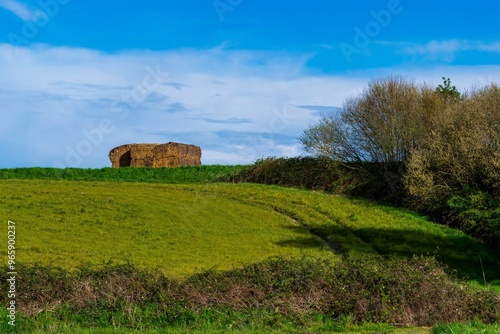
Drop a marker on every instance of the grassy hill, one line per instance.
(184, 228)
(179, 222)
(178, 229)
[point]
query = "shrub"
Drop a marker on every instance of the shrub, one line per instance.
(302, 172)
(421, 147)
(408, 292)
(378, 126)
(461, 150)
(454, 173)
(477, 214)
(322, 173)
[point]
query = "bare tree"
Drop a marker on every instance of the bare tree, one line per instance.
(378, 126)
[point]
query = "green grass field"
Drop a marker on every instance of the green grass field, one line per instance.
(179, 229)
(182, 229)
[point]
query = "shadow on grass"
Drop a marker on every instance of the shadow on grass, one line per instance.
(466, 257)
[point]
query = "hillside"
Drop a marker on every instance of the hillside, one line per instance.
(178, 229)
(184, 228)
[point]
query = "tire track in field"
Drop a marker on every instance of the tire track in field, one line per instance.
(347, 227)
(324, 240)
(330, 234)
(340, 242)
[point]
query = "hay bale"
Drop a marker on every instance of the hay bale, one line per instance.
(136, 155)
(176, 154)
(120, 156)
(142, 155)
(155, 155)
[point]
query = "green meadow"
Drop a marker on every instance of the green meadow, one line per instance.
(183, 229)
(176, 228)
(179, 175)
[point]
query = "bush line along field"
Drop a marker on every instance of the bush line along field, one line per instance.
(196, 254)
(307, 295)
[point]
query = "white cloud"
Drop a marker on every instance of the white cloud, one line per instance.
(489, 47)
(56, 98)
(21, 10)
(448, 49)
(71, 105)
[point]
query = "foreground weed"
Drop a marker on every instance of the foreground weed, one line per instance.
(472, 328)
(277, 294)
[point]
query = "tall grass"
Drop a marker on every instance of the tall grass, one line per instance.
(472, 328)
(187, 174)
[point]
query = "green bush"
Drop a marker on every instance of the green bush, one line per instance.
(301, 172)
(477, 214)
(380, 181)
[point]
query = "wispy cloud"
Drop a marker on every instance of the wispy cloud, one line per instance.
(176, 85)
(321, 109)
(489, 47)
(447, 50)
(176, 107)
(21, 10)
(231, 120)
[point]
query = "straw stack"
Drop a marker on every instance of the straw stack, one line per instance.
(120, 156)
(155, 155)
(176, 155)
(142, 155)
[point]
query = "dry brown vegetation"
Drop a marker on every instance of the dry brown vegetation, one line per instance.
(414, 292)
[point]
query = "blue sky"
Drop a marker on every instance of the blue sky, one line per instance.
(240, 78)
